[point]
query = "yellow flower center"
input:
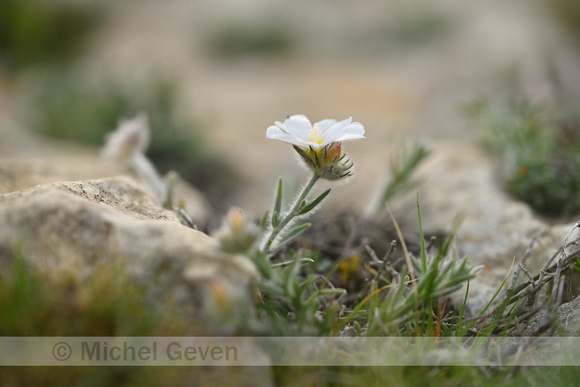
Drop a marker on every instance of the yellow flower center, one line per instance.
(315, 135)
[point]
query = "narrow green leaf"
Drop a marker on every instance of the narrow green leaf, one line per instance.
(293, 234)
(310, 206)
(278, 201)
(402, 167)
(462, 310)
(264, 222)
(422, 237)
(275, 219)
(446, 291)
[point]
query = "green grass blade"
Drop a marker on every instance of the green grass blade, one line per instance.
(422, 239)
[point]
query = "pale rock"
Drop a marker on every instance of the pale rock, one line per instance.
(569, 317)
(74, 226)
(21, 173)
(193, 201)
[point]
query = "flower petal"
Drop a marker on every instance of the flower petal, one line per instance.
(355, 128)
(299, 134)
(332, 132)
(325, 124)
(349, 136)
(297, 130)
(276, 133)
(298, 123)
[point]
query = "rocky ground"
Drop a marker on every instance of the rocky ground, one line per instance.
(354, 60)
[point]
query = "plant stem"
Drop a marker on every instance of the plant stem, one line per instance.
(291, 214)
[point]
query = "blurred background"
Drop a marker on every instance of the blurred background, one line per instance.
(212, 76)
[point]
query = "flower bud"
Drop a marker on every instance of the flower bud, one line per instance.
(236, 234)
(328, 162)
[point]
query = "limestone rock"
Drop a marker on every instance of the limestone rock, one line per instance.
(569, 317)
(19, 174)
(73, 226)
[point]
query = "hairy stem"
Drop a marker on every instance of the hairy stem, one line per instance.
(290, 215)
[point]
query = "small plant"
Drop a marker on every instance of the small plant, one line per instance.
(319, 147)
(297, 294)
(290, 303)
(539, 154)
(412, 295)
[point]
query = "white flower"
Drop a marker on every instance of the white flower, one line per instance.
(298, 130)
(319, 145)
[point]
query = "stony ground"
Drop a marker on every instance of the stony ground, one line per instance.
(401, 70)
